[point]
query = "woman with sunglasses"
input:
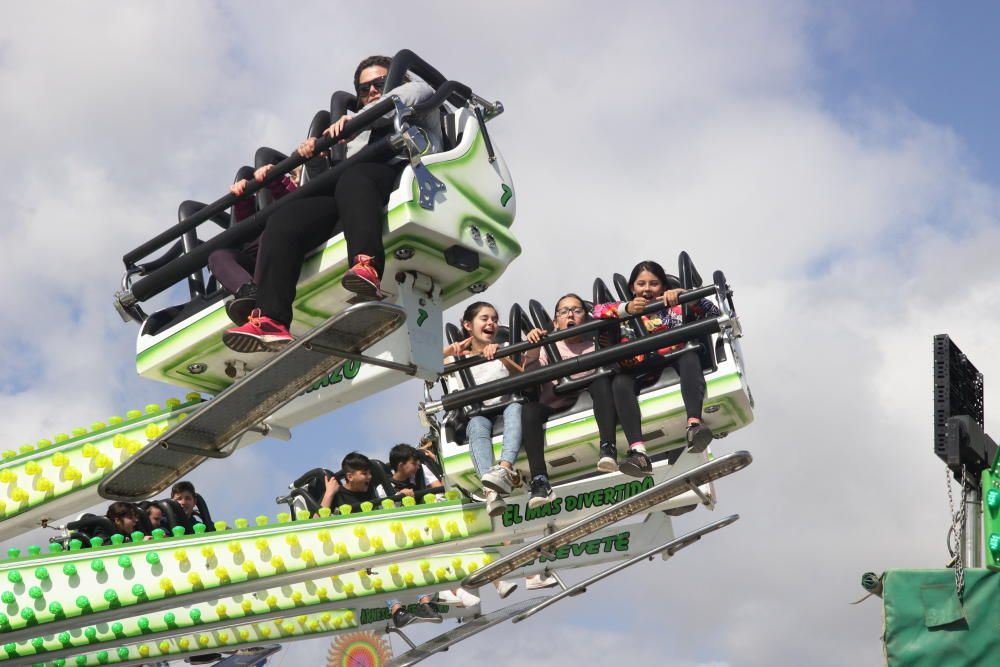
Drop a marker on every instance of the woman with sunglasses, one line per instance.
(570, 311)
(355, 201)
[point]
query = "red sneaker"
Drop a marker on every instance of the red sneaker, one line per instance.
(362, 278)
(259, 334)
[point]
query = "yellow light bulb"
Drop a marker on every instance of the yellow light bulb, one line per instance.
(247, 606)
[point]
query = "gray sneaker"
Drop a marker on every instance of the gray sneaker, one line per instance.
(495, 505)
(499, 479)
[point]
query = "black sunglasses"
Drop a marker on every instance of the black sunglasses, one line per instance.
(363, 88)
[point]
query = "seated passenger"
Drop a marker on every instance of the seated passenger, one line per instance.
(183, 494)
(354, 202)
(234, 267)
(480, 321)
(569, 312)
(154, 512)
(408, 474)
(356, 489)
(125, 517)
(648, 283)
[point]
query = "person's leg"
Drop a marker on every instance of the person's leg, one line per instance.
(361, 193)
(533, 416)
(692, 384)
(688, 365)
(480, 435)
(291, 232)
(231, 267)
(627, 406)
(607, 422)
(511, 434)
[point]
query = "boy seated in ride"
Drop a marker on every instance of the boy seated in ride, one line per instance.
(357, 486)
(409, 474)
(183, 494)
(125, 517)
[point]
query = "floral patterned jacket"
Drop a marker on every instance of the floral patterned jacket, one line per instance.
(660, 320)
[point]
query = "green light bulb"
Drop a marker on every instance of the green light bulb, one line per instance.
(111, 596)
(159, 533)
(37, 643)
(13, 552)
(7, 597)
(55, 547)
(41, 573)
(199, 528)
(35, 592)
(153, 558)
(75, 545)
(81, 660)
(90, 633)
(14, 577)
(97, 565)
(122, 652)
(11, 649)
(195, 615)
(143, 624)
(56, 609)
(102, 657)
(177, 531)
(64, 638)
(124, 562)
(117, 539)
(117, 628)
(137, 536)
(139, 590)
(169, 618)
(96, 541)
(69, 570)
(82, 602)
(28, 614)
(34, 550)
(4, 620)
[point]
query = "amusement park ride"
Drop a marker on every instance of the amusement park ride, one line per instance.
(243, 586)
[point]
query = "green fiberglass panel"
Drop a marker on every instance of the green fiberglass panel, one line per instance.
(991, 515)
(275, 604)
(77, 583)
(928, 625)
(55, 468)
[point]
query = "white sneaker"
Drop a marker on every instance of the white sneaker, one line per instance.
(495, 505)
(535, 582)
(458, 598)
(499, 479)
(504, 588)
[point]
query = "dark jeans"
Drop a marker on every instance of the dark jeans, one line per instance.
(534, 415)
(355, 201)
(627, 383)
(232, 267)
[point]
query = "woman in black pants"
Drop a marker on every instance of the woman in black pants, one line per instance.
(355, 202)
(569, 312)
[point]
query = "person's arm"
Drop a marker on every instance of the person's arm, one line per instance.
(430, 478)
(607, 311)
(332, 486)
(410, 93)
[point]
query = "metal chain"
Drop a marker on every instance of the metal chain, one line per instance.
(956, 532)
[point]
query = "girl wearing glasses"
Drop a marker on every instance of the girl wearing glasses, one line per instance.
(648, 284)
(480, 321)
(569, 312)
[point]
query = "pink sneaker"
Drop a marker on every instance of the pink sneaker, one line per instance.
(259, 334)
(362, 278)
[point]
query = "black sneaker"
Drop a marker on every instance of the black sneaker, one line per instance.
(699, 435)
(636, 464)
(240, 307)
(541, 492)
(609, 458)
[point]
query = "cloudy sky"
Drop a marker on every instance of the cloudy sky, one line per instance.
(836, 160)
